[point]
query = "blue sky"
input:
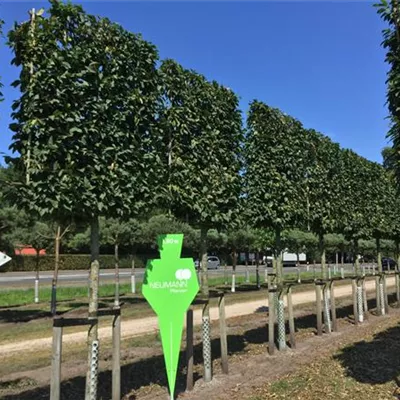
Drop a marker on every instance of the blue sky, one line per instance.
(318, 61)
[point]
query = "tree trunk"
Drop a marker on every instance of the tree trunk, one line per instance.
(204, 264)
(116, 300)
(234, 262)
(356, 260)
(378, 254)
(278, 256)
(92, 370)
(323, 256)
(133, 275)
(257, 269)
(37, 276)
(55, 274)
(247, 268)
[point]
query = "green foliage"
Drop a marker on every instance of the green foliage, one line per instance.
(275, 168)
(390, 13)
(298, 241)
(201, 127)
(67, 262)
(83, 123)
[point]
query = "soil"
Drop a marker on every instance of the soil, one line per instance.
(252, 372)
(137, 327)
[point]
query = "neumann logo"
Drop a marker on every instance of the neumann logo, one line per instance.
(182, 277)
(183, 274)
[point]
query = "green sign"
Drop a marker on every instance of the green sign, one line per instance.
(170, 285)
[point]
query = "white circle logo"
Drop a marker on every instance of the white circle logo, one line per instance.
(183, 274)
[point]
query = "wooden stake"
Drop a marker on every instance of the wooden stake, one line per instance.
(56, 363)
(116, 357)
(333, 307)
(223, 336)
(271, 321)
(189, 349)
(319, 309)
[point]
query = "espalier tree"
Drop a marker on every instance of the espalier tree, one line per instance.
(325, 201)
(390, 12)
(275, 172)
(115, 232)
(83, 123)
(356, 187)
(381, 207)
(201, 126)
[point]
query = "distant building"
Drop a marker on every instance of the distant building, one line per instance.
(28, 251)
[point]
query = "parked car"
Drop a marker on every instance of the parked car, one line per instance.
(388, 261)
(213, 262)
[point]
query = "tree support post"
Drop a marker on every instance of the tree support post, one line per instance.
(223, 335)
(55, 383)
(189, 349)
(397, 289)
(319, 308)
(333, 307)
(116, 355)
(271, 319)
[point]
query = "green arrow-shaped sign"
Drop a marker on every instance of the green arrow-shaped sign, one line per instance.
(170, 284)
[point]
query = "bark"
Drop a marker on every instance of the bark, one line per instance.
(203, 253)
(378, 254)
(116, 300)
(323, 256)
(93, 300)
(356, 260)
(55, 274)
(234, 263)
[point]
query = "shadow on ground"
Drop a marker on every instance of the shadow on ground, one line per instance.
(374, 362)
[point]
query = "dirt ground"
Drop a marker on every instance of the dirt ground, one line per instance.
(357, 362)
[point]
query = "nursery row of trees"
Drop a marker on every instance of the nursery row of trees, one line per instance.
(104, 129)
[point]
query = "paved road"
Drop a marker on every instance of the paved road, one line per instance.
(73, 277)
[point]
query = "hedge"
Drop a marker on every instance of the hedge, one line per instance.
(67, 262)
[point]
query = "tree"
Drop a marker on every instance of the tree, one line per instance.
(115, 232)
(83, 124)
(275, 172)
(37, 235)
(390, 13)
(323, 179)
(201, 126)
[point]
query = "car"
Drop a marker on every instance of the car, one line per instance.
(388, 262)
(213, 262)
